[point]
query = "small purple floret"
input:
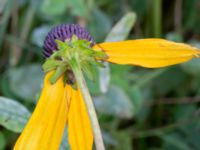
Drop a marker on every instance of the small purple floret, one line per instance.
(64, 32)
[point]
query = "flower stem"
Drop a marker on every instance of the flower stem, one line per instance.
(90, 106)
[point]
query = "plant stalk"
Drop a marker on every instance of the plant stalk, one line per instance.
(90, 107)
(157, 17)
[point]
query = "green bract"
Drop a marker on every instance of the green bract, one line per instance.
(72, 52)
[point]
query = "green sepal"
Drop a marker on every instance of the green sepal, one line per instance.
(57, 74)
(51, 64)
(88, 69)
(100, 55)
(87, 51)
(74, 39)
(62, 45)
(99, 64)
(73, 53)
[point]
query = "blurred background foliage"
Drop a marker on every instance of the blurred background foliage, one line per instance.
(138, 108)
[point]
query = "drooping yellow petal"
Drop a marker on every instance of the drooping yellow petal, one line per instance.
(151, 53)
(79, 127)
(45, 128)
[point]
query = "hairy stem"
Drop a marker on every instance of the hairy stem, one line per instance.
(90, 106)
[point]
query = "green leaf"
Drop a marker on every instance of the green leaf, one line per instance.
(109, 139)
(175, 142)
(99, 24)
(191, 15)
(137, 98)
(121, 30)
(143, 80)
(5, 88)
(5, 18)
(190, 129)
(115, 102)
(78, 7)
(2, 141)
(164, 84)
(13, 115)
(184, 111)
(104, 77)
(120, 72)
(26, 81)
(53, 7)
(2, 5)
(139, 6)
(123, 140)
(94, 86)
(192, 67)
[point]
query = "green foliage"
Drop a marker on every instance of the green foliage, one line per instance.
(123, 27)
(53, 7)
(13, 115)
(25, 82)
(78, 7)
(2, 141)
(118, 99)
(99, 24)
(138, 108)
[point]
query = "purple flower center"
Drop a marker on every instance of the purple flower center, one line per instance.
(64, 32)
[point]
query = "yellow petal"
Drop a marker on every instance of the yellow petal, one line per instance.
(79, 127)
(45, 128)
(151, 53)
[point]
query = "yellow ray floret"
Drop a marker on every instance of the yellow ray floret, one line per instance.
(45, 128)
(79, 128)
(151, 53)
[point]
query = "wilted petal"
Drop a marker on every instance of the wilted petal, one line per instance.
(45, 128)
(79, 127)
(151, 53)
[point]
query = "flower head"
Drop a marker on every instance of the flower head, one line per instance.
(63, 33)
(69, 50)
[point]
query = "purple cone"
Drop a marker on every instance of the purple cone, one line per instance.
(63, 32)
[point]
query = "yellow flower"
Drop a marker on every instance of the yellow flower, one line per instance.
(48, 120)
(150, 53)
(60, 104)
(45, 128)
